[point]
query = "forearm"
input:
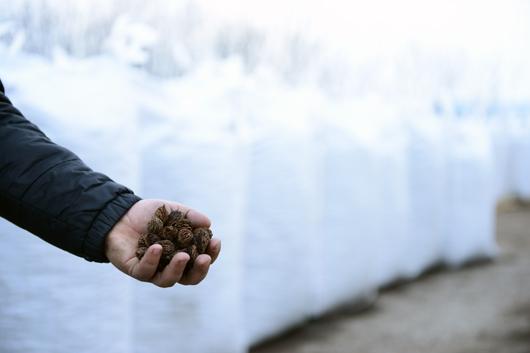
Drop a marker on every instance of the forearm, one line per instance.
(49, 191)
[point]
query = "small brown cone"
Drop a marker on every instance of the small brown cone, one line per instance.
(161, 213)
(174, 218)
(175, 233)
(202, 238)
(185, 238)
(155, 226)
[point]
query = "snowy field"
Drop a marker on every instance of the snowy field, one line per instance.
(336, 149)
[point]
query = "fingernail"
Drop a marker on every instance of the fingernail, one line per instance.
(157, 250)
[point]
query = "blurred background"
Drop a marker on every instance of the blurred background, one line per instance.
(339, 148)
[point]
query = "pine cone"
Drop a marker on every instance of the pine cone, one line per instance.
(185, 238)
(193, 252)
(175, 233)
(168, 249)
(142, 241)
(161, 213)
(174, 218)
(202, 238)
(170, 233)
(155, 226)
(152, 238)
(184, 224)
(148, 239)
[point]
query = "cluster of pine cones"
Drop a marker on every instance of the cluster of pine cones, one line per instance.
(174, 232)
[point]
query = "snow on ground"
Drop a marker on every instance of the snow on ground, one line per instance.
(325, 181)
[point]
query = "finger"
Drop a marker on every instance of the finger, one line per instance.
(213, 249)
(197, 219)
(146, 268)
(198, 271)
(173, 271)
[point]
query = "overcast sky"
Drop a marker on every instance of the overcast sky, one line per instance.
(380, 25)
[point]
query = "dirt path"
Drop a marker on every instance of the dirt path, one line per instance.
(483, 308)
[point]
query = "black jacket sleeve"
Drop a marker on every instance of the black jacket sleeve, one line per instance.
(49, 191)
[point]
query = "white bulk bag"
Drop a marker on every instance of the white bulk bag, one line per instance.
(350, 217)
(192, 154)
(426, 182)
(470, 193)
(53, 301)
(283, 209)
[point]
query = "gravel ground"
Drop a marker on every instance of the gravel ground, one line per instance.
(481, 308)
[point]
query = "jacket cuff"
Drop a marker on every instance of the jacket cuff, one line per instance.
(94, 244)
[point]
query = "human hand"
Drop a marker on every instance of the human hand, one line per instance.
(121, 244)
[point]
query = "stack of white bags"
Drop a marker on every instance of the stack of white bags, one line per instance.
(318, 203)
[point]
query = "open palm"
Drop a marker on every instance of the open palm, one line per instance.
(122, 241)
